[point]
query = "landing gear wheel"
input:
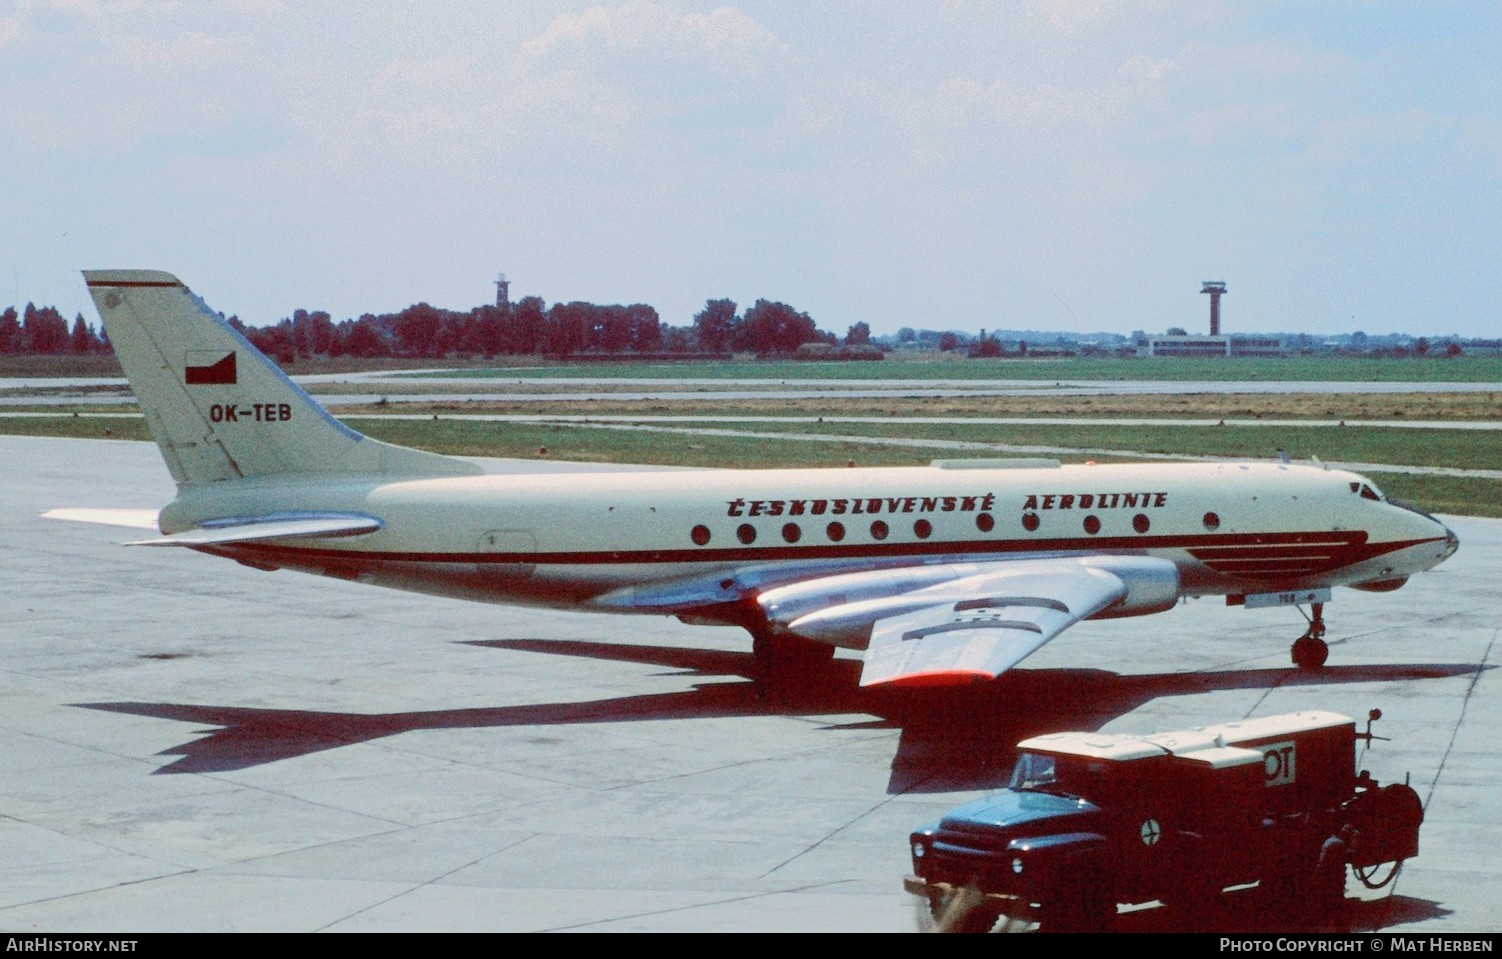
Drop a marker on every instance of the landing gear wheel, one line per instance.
(787, 662)
(1310, 650)
(1310, 653)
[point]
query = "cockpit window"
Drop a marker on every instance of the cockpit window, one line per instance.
(1034, 771)
(1367, 491)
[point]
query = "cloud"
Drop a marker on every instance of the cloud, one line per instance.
(1071, 16)
(724, 41)
(107, 77)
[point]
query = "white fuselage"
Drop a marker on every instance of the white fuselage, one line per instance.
(692, 540)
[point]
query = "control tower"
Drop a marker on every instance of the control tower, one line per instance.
(1215, 288)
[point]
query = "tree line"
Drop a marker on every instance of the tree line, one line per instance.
(527, 328)
(42, 330)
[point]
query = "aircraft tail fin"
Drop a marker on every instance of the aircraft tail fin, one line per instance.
(217, 407)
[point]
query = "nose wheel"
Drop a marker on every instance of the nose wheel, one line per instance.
(1310, 650)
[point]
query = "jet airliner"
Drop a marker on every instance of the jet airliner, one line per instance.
(943, 574)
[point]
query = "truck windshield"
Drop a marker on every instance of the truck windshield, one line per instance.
(1034, 771)
(1061, 775)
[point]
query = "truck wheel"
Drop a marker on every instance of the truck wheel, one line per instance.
(1092, 916)
(1081, 906)
(1327, 890)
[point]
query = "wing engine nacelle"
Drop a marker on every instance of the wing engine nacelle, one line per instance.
(786, 603)
(1152, 585)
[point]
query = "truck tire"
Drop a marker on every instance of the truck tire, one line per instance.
(1080, 905)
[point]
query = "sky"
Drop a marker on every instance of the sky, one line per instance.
(1080, 165)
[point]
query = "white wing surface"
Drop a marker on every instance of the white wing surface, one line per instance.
(980, 622)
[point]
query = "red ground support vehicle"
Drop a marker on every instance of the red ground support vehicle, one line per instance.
(1093, 820)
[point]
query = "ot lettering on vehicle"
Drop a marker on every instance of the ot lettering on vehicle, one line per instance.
(250, 413)
(1278, 766)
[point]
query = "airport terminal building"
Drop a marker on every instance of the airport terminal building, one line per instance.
(1213, 345)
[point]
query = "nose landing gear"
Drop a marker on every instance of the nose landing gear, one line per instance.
(1310, 650)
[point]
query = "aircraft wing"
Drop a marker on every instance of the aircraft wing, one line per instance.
(982, 638)
(980, 622)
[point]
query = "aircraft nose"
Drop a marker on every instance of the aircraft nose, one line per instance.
(1452, 542)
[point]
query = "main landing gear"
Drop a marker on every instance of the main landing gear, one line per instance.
(1309, 650)
(785, 663)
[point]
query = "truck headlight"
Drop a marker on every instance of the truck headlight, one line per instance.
(919, 850)
(1017, 865)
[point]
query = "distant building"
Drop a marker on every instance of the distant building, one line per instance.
(1222, 345)
(1178, 343)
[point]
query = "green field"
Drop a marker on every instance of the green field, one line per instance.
(1458, 449)
(897, 366)
(1458, 369)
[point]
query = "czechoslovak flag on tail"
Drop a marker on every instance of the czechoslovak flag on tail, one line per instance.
(207, 368)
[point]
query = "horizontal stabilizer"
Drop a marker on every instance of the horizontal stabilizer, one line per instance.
(250, 529)
(135, 518)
